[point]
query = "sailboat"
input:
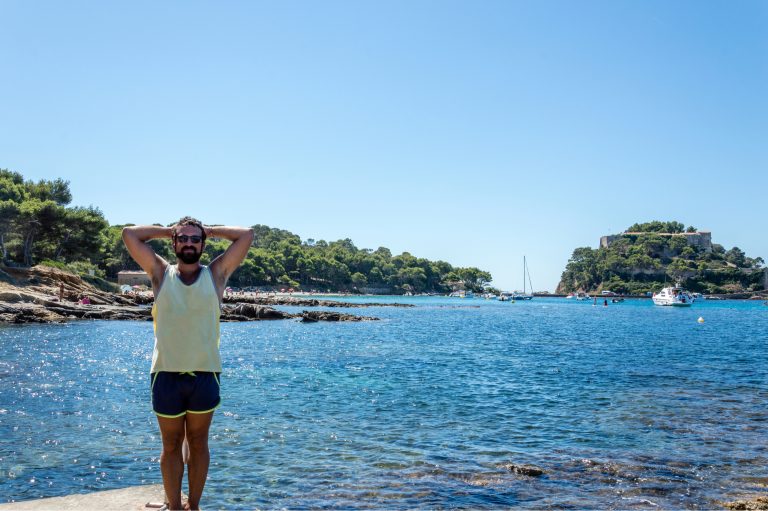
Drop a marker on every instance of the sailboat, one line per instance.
(525, 295)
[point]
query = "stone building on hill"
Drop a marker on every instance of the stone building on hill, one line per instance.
(700, 239)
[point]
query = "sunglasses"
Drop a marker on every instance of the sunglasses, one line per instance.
(183, 238)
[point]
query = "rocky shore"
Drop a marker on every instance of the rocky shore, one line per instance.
(32, 295)
(757, 503)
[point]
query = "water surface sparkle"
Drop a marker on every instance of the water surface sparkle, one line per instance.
(628, 405)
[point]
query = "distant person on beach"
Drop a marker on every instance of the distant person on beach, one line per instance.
(185, 361)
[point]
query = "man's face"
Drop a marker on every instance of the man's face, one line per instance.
(188, 244)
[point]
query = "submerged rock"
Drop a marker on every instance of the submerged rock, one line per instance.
(314, 316)
(525, 470)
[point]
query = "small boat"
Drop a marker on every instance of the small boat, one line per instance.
(673, 296)
(580, 296)
(617, 300)
(524, 295)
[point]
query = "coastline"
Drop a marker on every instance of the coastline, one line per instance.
(48, 295)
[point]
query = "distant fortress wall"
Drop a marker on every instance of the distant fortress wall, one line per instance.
(701, 239)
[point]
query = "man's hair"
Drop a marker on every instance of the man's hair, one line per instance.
(188, 220)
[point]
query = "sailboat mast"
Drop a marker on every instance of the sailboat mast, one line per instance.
(530, 284)
(524, 274)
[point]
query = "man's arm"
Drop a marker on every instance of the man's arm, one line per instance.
(224, 265)
(135, 238)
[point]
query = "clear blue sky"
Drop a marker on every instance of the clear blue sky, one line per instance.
(472, 132)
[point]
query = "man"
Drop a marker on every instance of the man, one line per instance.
(185, 360)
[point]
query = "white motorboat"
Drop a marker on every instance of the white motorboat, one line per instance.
(580, 296)
(673, 296)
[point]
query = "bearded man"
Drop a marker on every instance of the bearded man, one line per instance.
(185, 361)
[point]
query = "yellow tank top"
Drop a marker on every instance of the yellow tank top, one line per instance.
(186, 321)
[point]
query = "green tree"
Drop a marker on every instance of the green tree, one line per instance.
(36, 220)
(81, 235)
(9, 214)
(736, 256)
(411, 279)
(116, 257)
(376, 276)
(474, 279)
(359, 280)
(657, 226)
(581, 272)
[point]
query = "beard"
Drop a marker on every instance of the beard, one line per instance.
(189, 255)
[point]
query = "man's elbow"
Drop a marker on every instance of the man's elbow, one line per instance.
(247, 235)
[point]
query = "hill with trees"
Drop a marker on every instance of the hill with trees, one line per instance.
(648, 255)
(38, 225)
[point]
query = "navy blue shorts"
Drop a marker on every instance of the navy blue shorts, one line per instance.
(176, 394)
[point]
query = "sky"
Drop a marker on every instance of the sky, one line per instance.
(475, 133)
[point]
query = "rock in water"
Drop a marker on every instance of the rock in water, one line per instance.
(525, 470)
(314, 316)
(252, 312)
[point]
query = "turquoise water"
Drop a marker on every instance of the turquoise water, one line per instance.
(625, 406)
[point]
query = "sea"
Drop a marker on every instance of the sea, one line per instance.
(449, 404)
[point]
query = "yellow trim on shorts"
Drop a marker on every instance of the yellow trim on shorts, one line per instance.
(170, 416)
(206, 411)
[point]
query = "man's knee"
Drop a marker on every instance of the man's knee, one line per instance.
(198, 440)
(197, 427)
(172, 442)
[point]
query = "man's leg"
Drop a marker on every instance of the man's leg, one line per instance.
(199, 456)
(171, 464)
